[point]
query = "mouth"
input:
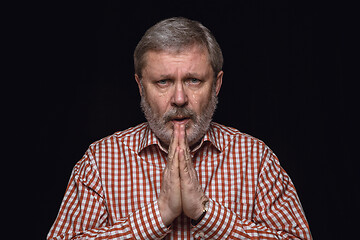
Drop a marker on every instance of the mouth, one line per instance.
(180, 120)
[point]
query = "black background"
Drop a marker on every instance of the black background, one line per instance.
(286, 82)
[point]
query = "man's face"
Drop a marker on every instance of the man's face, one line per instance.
(179, 88)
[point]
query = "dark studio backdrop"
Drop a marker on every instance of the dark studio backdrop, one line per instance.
(286, 83)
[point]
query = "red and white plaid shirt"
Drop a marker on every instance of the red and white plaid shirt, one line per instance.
(113, 191)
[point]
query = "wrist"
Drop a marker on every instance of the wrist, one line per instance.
(194, 222)
(166, 214)
(202, 214)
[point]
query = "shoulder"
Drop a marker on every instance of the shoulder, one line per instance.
(129, 137)
(105, 151)
(233, 135)
(240, 144)
(113, 147)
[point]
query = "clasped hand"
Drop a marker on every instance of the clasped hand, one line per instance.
(180, 188)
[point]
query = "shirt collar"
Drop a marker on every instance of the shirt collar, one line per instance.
(147, 138)
(213, 135)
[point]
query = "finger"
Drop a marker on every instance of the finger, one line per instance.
(182, 165)
(173, 144)
(184, 145)
(186, 142)
(171, 171)
(182, 137)
(182, 153)
(188, 173)
(176, 161)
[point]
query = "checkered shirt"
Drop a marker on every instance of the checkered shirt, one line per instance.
(113, 191)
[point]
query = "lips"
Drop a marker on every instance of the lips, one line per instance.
(180, 120)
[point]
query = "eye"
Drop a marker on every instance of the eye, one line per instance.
(162, 82)
(194, 81)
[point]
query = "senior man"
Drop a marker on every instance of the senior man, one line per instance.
(179, 175)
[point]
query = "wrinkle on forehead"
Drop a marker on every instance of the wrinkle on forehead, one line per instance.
(167, 58)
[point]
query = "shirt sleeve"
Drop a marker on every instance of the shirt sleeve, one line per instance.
(277, 211)
(83, 213)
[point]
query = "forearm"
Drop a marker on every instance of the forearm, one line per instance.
(218, 222)
(222, 223)
(145, 223)
(84, 213)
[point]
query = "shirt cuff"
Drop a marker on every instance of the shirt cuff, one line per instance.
(146, 223)
(218, 222)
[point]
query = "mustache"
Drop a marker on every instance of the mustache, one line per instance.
(179, 113)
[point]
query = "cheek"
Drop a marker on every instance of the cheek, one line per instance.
(200, 100)
(195, 98)
(159, 103)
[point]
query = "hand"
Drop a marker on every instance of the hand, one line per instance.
(193, 198)
(180, 189)
(169, 200)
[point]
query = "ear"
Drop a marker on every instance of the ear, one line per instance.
(219, 82)
(137, 78)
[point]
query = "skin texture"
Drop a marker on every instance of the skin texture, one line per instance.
(177, 81)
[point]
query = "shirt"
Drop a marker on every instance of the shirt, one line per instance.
(113, 191)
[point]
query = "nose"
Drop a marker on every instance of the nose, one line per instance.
(179, 98)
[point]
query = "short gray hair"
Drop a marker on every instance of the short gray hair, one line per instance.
(177, 34)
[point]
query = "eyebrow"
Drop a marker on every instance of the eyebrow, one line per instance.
(193, 75)
(165, 76)
(187, 75)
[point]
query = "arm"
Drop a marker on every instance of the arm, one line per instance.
(277, 211)
(83, 213)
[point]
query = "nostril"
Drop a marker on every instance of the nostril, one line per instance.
(179, 104)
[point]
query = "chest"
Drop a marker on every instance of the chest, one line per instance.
(131, 180)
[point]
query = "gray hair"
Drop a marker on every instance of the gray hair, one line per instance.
(177, 34)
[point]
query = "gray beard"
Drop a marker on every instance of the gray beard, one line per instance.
(201, 123)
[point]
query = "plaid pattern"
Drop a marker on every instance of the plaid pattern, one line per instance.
(113, 191)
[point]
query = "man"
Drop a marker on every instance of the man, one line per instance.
(180, 175)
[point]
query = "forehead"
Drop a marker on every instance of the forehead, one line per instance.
(192, 59)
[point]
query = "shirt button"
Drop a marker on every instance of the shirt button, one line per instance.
(201, 235)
